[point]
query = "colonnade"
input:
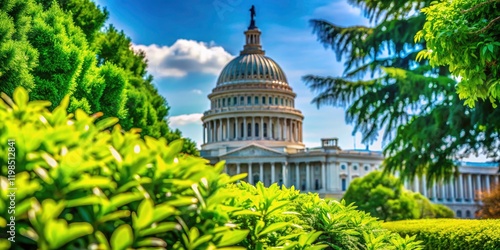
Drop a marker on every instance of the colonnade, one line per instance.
(303, 175)
(252, 128)
(462, 189)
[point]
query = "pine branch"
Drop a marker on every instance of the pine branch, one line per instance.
(478, 6)
(490, 24)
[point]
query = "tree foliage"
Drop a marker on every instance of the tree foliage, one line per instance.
(384, 197)
(59, 48)
(465, 35)
(384, 88)
(490, 207)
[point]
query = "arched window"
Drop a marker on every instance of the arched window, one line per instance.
(467, 214)
(355, 167)
(459, 213)
(367, 168)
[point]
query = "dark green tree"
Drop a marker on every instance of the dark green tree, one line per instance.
(384, 88)
(383, 196)
(57, 48)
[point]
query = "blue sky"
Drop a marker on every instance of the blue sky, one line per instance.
(188, 42)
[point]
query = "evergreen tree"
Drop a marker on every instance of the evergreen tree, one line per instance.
(57, 48)
(426, 125)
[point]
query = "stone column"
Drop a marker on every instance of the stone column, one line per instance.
(284, 173)
(443, 191)
(236, 128)
(285, 130)
(424, 186)
(452, 189)
(308, 176)
(417, 184)
(209, 132)
(471, 188)
(434, 192)
(228, 130)
(253, 130)
(323, 176)
(478, 181)
(204, 128)
(271, 128)
(487, 183)
(461, 187)
(262, 128)
(250, 174)
(297, 176)
(245, 128)
(238, 168)
(261, 172)
(273, 173)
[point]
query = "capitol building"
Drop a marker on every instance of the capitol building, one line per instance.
(254, 126)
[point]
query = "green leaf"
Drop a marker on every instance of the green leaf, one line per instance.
(21, 97)
(159, 229)
(145, 214)
(122, 238)
(106, 123)
(59, 233)
(273, 227)
(232, 237)
(84, 201)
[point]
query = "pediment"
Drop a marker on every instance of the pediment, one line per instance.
(253, 150)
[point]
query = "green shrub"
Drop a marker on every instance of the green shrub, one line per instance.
(450, 233)
(80, 185)
(83, 184)
(286, 218)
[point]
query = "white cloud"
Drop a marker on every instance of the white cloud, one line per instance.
(340, 12)
(181, 120)
(197, 91)
(183, 57)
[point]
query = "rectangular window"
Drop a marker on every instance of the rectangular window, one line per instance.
(344, 184)
(270, 101)
(282, 101)
(249, 100)
(256, 129)
(265, 129)
(242, 100)
(263, 100)
(235, 100)
(249, 132)
(218, 103)
(256, 100)
(223, 102)
(276, 101)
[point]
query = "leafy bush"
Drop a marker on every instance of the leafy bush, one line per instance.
(291, 220)
(80, 184)
(384, 197)
(450, 233)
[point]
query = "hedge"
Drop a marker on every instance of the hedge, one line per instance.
(83, 183)
(450, 233)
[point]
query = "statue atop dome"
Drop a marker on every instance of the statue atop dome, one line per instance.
(252, 20)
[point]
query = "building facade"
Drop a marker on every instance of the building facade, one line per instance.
(254, 126)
